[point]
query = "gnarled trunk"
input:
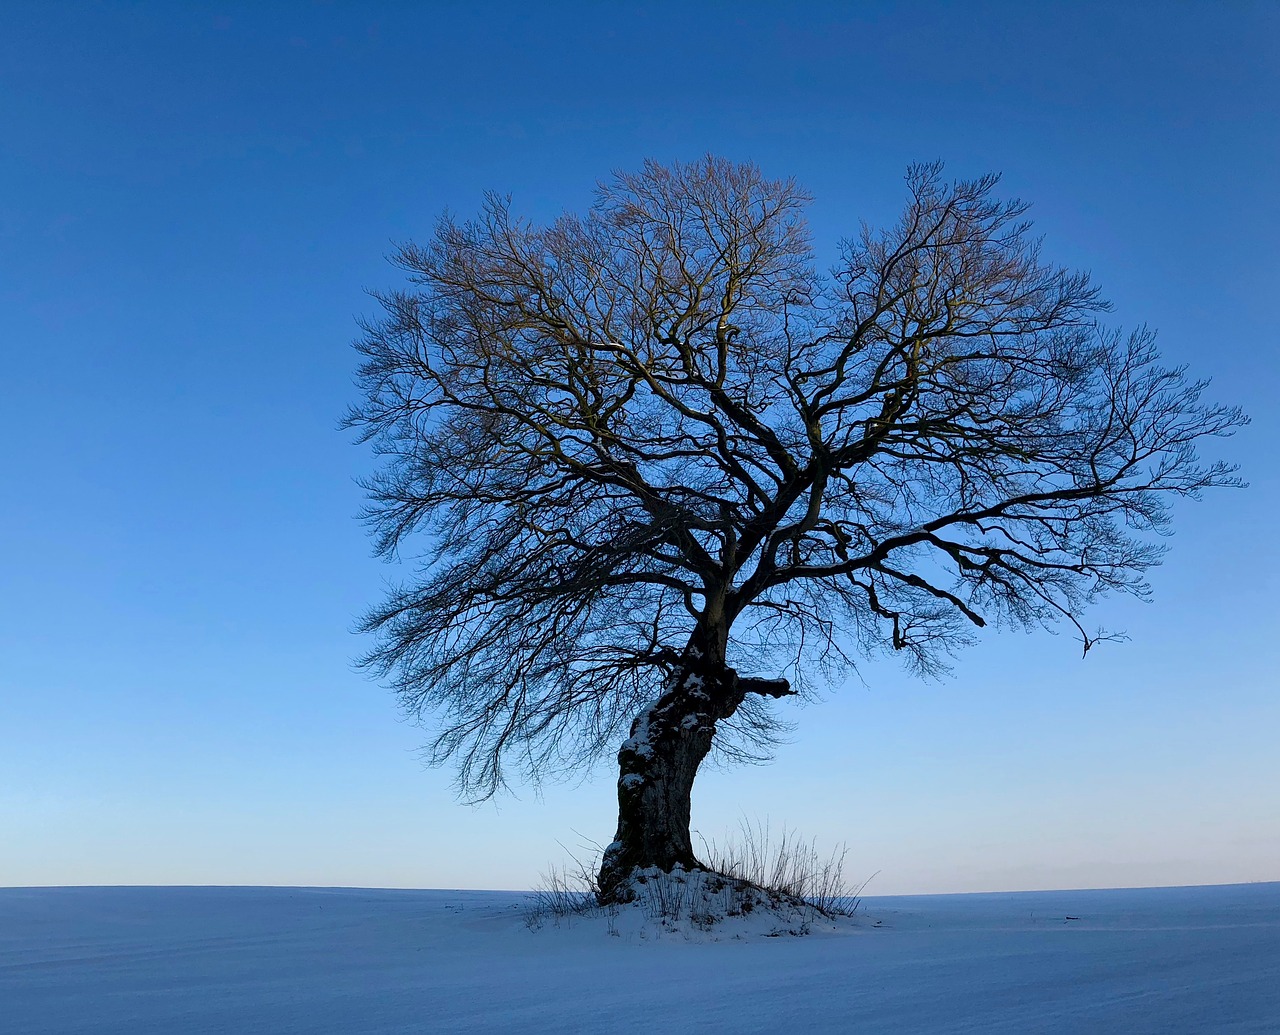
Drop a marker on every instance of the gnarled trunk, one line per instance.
(658, 762)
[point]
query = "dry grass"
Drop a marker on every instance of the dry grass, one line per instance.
(787, 866)
(565, 891)
(783, 875)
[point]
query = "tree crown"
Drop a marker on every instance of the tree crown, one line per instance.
(660, 424)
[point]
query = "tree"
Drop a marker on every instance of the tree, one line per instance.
(650, 446)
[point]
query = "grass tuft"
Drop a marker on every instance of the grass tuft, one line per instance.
(783, 876)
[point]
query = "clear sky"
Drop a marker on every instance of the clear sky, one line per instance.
(194, 199)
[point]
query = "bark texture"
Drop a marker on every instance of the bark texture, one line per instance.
(657, 765)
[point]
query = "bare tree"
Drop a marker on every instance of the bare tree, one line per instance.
(651, 445)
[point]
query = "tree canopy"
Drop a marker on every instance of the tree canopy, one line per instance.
(660, 427)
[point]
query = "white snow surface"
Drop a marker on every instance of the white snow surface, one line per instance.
(144, 960)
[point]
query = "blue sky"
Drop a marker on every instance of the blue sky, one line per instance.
(194, 199)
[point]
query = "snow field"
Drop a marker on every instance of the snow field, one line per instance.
(150, 960)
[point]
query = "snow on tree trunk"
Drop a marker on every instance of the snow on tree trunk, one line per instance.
(657, 765)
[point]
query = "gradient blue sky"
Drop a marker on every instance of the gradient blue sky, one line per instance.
(193, 199)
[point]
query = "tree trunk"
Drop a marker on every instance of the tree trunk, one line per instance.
(657, 765)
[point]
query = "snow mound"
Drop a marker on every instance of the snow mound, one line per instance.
(691, 906)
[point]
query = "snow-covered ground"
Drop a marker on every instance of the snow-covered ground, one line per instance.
(186, 960)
